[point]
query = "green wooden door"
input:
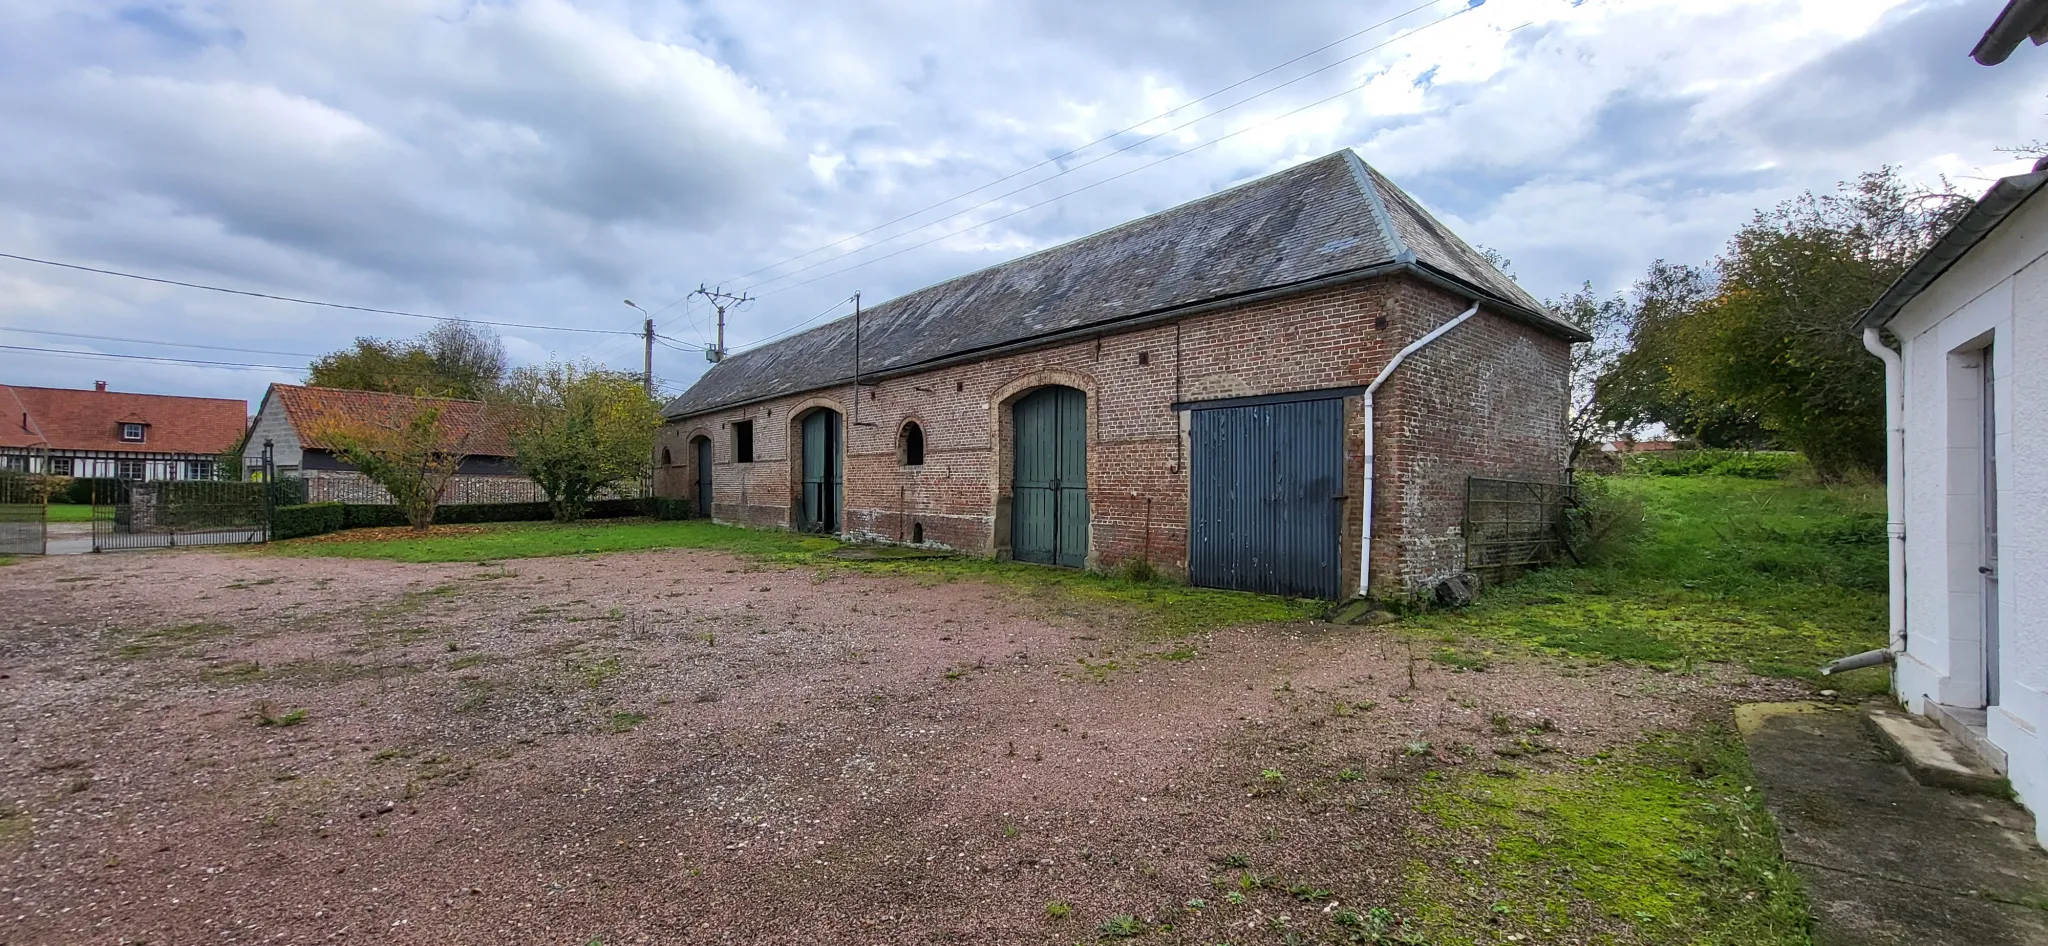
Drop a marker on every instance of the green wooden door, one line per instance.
(823, 478)
(703, 450)
(1049, 492)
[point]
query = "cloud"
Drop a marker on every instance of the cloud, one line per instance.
(539, 160)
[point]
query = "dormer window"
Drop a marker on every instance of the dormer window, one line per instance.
(132, 433)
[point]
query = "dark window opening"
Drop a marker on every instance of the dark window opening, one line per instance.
(917, 533)
(959, 386)
(913, 444)
(130, 469)
(665, 460)
(743, 442)
(1144, 358)
(132, 433)
(60, 466)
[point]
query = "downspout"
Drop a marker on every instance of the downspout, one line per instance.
(1365, 515)
(1894, 501)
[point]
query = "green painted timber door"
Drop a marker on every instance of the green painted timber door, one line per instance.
(703, 446)
(1049, 493)
(823, 478)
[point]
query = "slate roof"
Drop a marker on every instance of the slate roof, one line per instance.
(73, 419)
(2021, 19)
(2005, 196)
(489, 430)
(1328, 217)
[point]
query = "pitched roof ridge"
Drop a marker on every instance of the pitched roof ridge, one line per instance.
(1363, 174)
(1063, 244)
(181, 397)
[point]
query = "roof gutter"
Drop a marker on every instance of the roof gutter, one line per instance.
(1157, 316)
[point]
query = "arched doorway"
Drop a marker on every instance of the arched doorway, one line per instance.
(1049, 486)
(823, 479)
(700, 454)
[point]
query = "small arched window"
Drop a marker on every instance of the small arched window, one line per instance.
(665, 461)
(913, 444)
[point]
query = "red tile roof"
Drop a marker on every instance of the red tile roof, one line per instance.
(17, 428)
(70, 419)
(489, 428)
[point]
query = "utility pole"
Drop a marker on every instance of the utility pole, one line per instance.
(647, 359)
(721, 301)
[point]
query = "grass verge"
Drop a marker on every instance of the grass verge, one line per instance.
(1775, 576)
(1172, 608)
(1667, 843)
(69, 512)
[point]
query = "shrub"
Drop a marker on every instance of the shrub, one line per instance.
(88, 490)
(665, 508)
(368, 515)
(1750, 464)
(1601, 523)
(292, 522)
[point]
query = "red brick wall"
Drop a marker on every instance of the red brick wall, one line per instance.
(1137, 462)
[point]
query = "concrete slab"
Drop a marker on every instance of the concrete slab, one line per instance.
(1886, 859)
(1933, 755)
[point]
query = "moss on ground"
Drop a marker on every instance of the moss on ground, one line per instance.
(1667, 843)
(1775, 576)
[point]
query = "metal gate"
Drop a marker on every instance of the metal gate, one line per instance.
(181, 513)
(823, 479)
(22, 514)
(1512, 524)
(1049, 492)
(1266, 497)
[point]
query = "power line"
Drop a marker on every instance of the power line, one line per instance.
(1104, 157)
(1108, 137)
(330, 305)
(756, 343)
(146, 341)
(182, 361)
(1085, 187)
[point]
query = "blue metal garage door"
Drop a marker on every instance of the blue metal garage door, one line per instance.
(1266, 497)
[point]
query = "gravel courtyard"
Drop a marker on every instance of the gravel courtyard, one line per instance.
(689, 747)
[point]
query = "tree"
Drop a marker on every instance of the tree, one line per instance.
(1636, 388)
(1592, 362)
(453, 359)
(1774, 339)
(413, 452)
(580, 430)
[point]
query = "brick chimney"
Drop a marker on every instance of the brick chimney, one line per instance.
(100, 386)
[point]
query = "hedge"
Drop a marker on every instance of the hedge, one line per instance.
(292, 522)
(1750, 464)
(86, 490)
(287, 521)
(664, 508)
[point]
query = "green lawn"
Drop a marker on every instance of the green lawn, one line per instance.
(505, 540)
(1170, 608)
(70, 512)
(1776, 576)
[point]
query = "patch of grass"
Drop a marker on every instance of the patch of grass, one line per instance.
(624, 722)
(70, 512)
(594, 672)
(1121, 926)
(267, 715)
(1058, 910)
(6, 560)
(508, 540)
(1460, 660)
(1162, 607)
(1776, 576)
(1668, 839)
(164, 640)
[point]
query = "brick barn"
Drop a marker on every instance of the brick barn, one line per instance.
(1189, 388)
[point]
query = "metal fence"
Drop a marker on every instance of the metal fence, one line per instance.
(22, 513)
(181, 513)
(1513, 524)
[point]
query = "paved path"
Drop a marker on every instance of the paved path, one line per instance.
(1885, 859)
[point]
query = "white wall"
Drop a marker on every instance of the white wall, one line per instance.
(272, 423)
(1996, 294)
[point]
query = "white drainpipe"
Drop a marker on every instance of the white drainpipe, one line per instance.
(1365, 543)
(1894, 477)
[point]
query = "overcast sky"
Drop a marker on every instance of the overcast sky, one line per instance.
(540, 160)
